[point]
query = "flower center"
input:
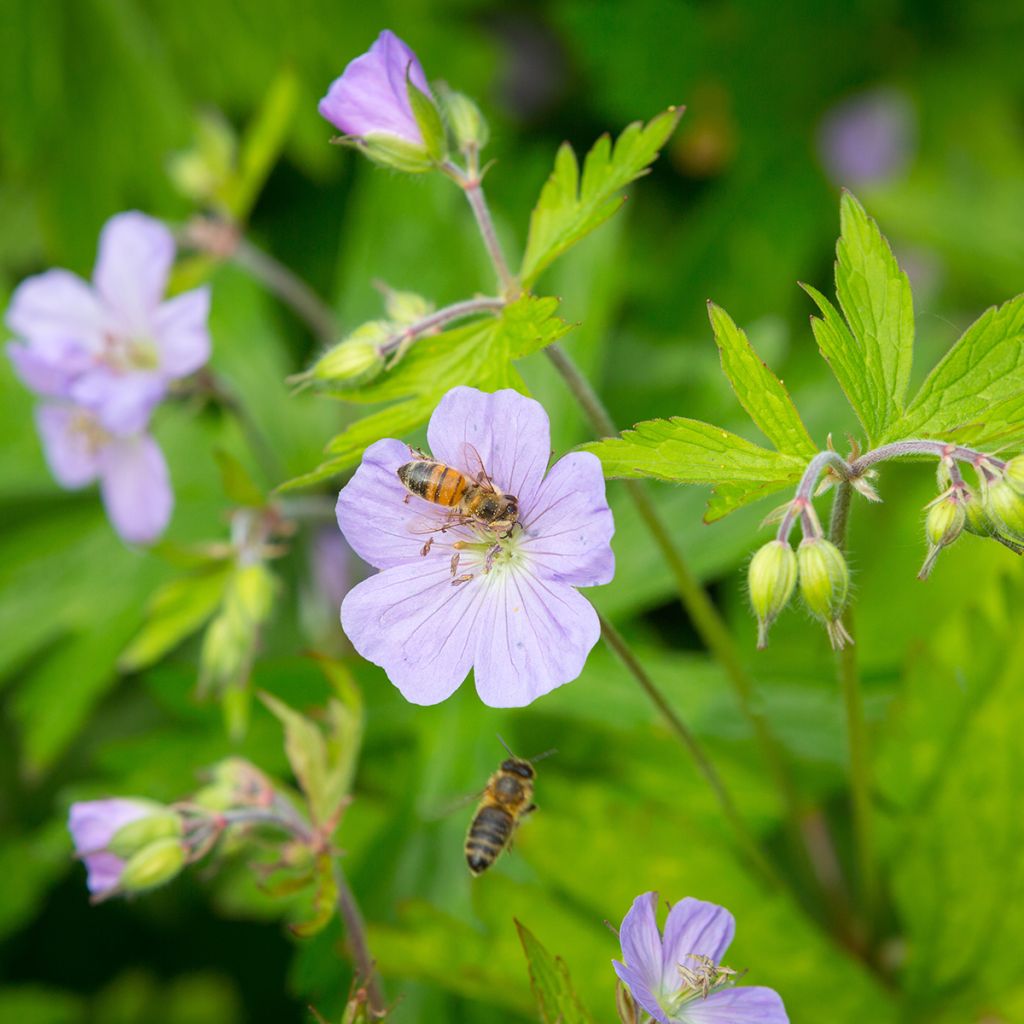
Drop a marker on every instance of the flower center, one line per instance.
(124, 355)
(490, 553)
(92, 436)
(700, 977)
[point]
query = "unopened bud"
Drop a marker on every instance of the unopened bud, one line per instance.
(824, 585)
(355, 361)
(975, 519)
(468, 126)
(405, 308)
(391, 151)
(771, 579)
(1005, 507)
(943, 525)
(163, 823)
(153, 865)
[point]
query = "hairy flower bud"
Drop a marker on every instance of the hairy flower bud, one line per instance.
(975, 519)
(468, 126)
(824, 585)
(771, 579)
(405, 308)
(355, 361)
(153, 865)
(944, 523)
(1005, 507)
(163, 823)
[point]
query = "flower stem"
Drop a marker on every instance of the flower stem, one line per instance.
(748, 843)
(697, 605)
(355, 929)
(456, 311)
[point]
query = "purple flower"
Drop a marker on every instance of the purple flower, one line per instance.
(93, 824)
(113, 346)
(867, 138)
(371, 98)
(679, 978)
(131, 468)
(511, 611)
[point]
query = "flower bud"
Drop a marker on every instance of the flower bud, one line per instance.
(153, 865)
(390, 151)
(356, 360)
(405, 308)
(771, 579)
(975, 519)
(163, 823)
(202, 172)
(943, 525)
(824, 584)
(1005, 507)
(1014, 471)
(468, 126)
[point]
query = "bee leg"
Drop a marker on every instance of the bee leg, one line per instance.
(530, 809)
(464, 578)
(405, 500)
(426, 547)
(455, 563)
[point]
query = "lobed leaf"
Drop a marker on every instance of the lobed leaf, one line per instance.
(875, 298)
(570, 207)
(978, 386)
(760, 392)
(551, 984)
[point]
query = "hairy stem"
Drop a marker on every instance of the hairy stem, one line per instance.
(747, 842)
(697, 605)
(456, 311)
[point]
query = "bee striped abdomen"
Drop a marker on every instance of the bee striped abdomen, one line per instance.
(488, 835)
(434, 482)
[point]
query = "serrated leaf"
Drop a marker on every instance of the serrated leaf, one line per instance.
(569, 207)
(875, 298)
(479, 355)
(691, 452)
(845, 357)
(760, 392)
(325, 899)
(551, 984)
(729, 497)
(978, 383)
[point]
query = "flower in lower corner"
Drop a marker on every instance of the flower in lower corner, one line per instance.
(453, 594)
(112, 346)
(678, 977)
(131, 469)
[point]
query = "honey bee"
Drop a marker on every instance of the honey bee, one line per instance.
(507, 799)
(470, 499)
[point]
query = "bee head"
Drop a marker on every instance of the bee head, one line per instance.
(517, 766)
(510, 510)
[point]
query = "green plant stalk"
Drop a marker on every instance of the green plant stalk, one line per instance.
(701, 611)
(857, 733)
(747, 842)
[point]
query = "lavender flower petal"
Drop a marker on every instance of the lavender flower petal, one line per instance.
(93, 823)
(45, 376)
(640, 991)
(103, 871)
(533, 636)
(182, 336)
(373, 512)
(370, 96)
(71, 442)
(136, 488)
(570, 526)
(55, 311)
(411, 621)
(641, 941)
(747, 1005)
(510, 433)
(136, 253)
(123, 402)
(694, 926)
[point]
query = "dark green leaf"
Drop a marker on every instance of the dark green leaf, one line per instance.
(570, 208)
(760, 392)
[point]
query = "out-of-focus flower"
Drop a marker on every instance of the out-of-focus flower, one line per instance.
(451, 595)
(373, 104)
(868, 138)
(112, 347)
(133, 475)
(109, 835)
(678, 977)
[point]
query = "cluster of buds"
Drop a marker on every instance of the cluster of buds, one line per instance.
(824, 578)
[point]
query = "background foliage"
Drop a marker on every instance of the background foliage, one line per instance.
(94, 97)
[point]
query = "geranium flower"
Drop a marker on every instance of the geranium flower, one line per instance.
(679, 978)
(111, 347)
(371, 98)
(516, 617)
(133, 475)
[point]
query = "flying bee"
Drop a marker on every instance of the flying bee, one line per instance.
(472, 500)
(507, 799)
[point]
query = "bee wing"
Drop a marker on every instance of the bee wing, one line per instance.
(453, 805)
(475, 465)
(423, 526)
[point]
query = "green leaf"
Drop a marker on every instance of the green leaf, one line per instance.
(478, 355)
(978, 384)
(760, 392)
(239, 486)
(845, 358)
(688, 451)
(728, 497)
(875, 297)
(551, 984)
(570, 208)
(175, 611)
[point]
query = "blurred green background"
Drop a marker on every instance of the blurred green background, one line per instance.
(918, 107)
